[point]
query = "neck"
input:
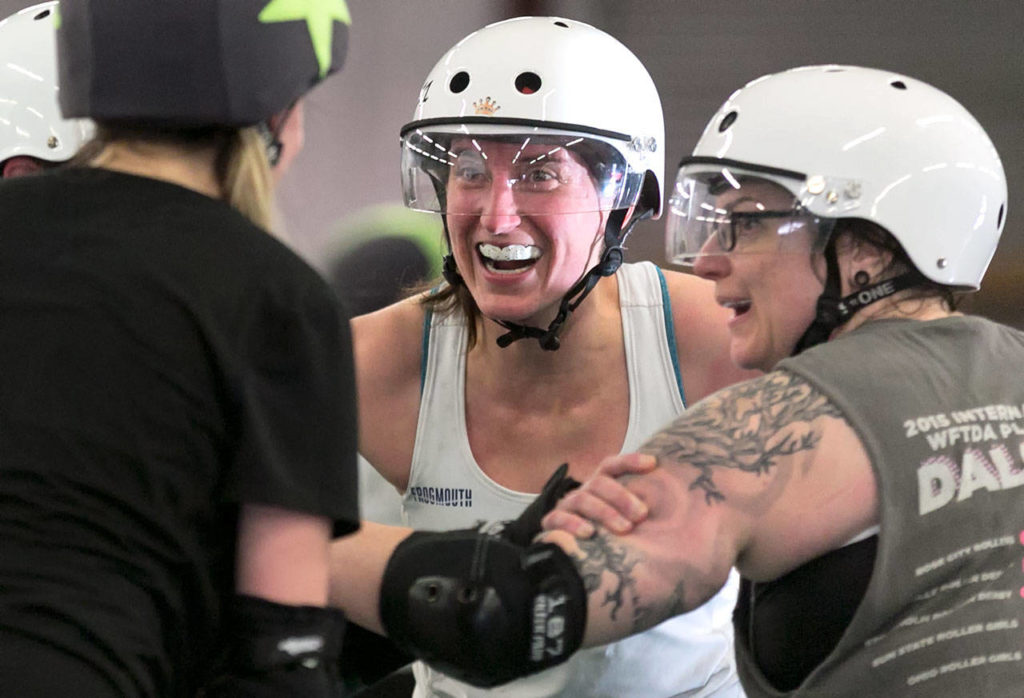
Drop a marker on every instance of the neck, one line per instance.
(190, 168)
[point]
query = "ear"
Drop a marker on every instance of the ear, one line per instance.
(856, 254)
(20, 166)
(290, 130)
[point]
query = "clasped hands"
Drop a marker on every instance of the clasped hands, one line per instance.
(604, 500)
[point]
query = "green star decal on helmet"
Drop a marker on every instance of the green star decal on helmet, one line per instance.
(319, 15)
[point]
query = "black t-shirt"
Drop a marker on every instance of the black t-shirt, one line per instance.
(161, 360)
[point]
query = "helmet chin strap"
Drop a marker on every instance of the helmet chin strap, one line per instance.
(614, 235)
(834, 310)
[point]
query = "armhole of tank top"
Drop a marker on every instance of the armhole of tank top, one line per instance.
(670, 333)
(425, 347)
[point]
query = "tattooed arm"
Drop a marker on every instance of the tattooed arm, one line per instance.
(764, 476)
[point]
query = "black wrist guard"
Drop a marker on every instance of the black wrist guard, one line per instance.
(480, 608)
(279, 650)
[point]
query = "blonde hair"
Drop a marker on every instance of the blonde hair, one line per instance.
(241, 167)
(245, 178)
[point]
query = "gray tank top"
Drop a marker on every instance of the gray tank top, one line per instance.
(939, 407)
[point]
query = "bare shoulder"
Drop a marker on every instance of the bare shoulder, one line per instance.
(779, 468)
(702, 336)
(387, 345)
(387, 342)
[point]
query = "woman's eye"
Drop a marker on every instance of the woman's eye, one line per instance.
(540, 178)
(746, 224)
(469, 169)
(469, 174)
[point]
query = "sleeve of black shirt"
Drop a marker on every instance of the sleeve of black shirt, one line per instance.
(297, 419)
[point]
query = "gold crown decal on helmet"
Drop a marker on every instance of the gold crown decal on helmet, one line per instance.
(319, 15)
(485, 107)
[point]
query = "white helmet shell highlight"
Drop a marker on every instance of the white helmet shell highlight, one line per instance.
(851, 142)
(551, 79)
(30, 119)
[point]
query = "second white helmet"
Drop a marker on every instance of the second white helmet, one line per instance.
(31, 123)
(851, 142)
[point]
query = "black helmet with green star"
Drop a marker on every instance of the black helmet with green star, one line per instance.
(195, 62)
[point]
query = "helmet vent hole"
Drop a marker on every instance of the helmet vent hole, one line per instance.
(563, 25)
(528, 83)
(899, 84)
(41, 15)
(727, 121)
(999, 218)
(459, 82)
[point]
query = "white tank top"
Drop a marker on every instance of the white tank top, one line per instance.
(690, 655)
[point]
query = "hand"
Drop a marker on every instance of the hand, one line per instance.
(603, 500)
(526, 526)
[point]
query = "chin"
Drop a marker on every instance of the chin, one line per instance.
(751, 361)
(509, 312)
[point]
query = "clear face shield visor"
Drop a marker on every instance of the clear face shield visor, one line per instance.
(495, 169)
(716, 210)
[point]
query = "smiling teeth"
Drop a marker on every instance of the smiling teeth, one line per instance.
(509, 253)
(738, 306)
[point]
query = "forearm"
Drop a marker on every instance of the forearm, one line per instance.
(624, 594)
(357, 565)
(670, 562)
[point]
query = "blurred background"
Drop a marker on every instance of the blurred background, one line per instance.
(698, 53)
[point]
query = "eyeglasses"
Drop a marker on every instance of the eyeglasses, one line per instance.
(742, 227)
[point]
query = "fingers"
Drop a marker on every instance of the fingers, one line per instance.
(602, 501)
(627, 464)
(558, 520)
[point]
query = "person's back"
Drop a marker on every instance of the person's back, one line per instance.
(165, 503)
(130, 308)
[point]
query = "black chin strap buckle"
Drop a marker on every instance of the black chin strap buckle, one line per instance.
(611, 260)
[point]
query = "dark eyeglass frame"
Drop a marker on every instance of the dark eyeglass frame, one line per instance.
(726, 234)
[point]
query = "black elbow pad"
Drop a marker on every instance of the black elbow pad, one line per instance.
(481, 609)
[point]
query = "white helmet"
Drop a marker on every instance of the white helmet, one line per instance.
(555, 81)
(30, 119)
(852, 142)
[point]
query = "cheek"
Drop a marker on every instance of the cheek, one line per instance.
(459, 229)
(798, 290)
(579, 237)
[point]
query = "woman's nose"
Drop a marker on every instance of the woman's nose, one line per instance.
(711, 262)
(500, 212)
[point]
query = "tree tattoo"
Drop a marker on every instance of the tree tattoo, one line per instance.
(746, 427)
(598, 556)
